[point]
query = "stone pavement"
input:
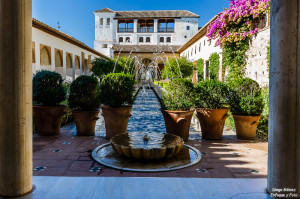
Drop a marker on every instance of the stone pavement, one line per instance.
(70, 155)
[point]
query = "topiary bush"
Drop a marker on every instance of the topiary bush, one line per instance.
(117, 90)
(210, 94)
(244, 97)
(102, 67)
(84, 93)
(178, 95)
(48, 88)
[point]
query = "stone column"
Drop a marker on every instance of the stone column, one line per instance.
(155, 25)
(73, 65)
(15, 97)
(52, 58)
(89, 64)
(37, 56)
(82, 63)
(284, 125)
(135, 25)
(64, 75)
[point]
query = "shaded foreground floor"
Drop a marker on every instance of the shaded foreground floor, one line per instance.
(69, 155)
(147, 188)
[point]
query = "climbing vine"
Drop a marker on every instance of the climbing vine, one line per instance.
(233, 29)
(214, 65)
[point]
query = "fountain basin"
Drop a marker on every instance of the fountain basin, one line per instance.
(157, 145)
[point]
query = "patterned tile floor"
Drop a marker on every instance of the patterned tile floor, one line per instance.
(69, 155)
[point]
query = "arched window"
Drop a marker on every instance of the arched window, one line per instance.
(77, 63)
(69, 61)
(101, 21)
(58, 59)
(168, 39)
(45, 57)
(121, 39)
(141, 39)
(128, 39)
(204, 42)
(195, 50)
(108, 21)
(147, 39)
(200, 47)
(161, 39)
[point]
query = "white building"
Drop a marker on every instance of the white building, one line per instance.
(256, 64)
(57, 51)
(114, 29)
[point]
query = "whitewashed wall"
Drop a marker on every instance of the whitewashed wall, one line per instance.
(40, 37)
(203, 49)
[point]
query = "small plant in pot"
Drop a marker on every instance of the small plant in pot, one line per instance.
(177, 102)
(246, 104)
(117, 97)
(211, 108)
(48, 93)
(84, 99)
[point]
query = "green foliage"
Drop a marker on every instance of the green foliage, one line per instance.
(262, 128)
(229, 122)
(102, 67)
(125, 64)
(210, 94)
(84, 93)
(244, 97)
(200, 69)
(178, 95)
(234, 58)
(117, 90)
(48, 88)
(171, 69)
(214, 65)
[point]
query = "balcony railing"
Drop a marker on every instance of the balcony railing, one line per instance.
(165, 29)
(146, 29)
(125, 29)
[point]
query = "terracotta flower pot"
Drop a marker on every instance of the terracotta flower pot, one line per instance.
(212, 122)
(116, 120)
(178, 122)
(48, 118)
(85, 122)
(246, 126)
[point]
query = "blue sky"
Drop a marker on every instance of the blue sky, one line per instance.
(77, 19)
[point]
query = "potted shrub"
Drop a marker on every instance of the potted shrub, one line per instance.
(177, 107)
(211, 108)
(84, 99)
(117, 97)
(48, 93)
(246, 104)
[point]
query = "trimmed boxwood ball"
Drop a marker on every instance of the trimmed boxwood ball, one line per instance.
(48, 88)
(210, 94)
(245, 97)
(178, 95)
(117, 90)
(84, 93)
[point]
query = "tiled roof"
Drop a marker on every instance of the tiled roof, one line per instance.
(151, 13)
(48, 29)
(105, 10)
(145, 48)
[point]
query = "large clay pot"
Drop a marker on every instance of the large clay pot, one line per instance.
(48, 119)
(178, 122)
(85, 122)
(116, 120)
(212, 122)
(246, 126)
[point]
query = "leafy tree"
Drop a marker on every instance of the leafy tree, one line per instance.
(200, 69)
(214, 65)
(171, 69)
